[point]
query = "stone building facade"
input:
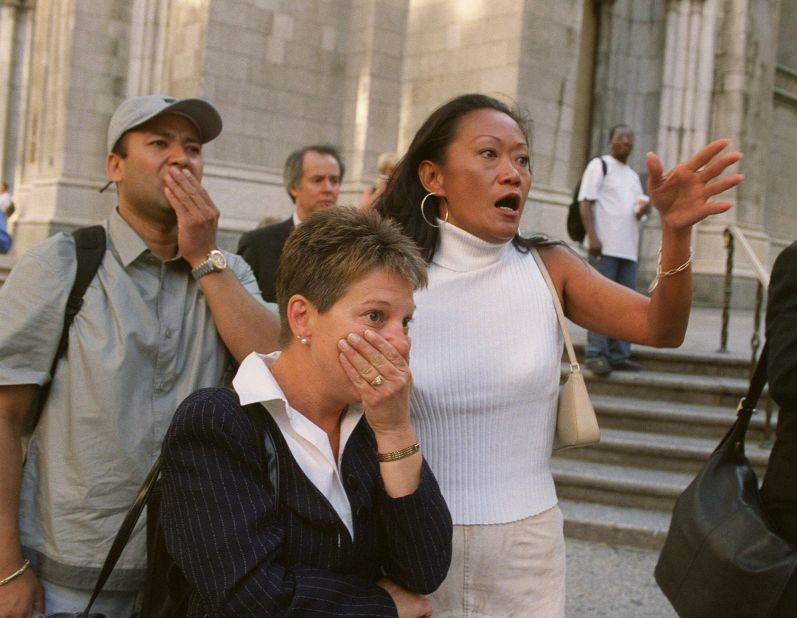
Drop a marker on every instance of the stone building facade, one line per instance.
(363, 74)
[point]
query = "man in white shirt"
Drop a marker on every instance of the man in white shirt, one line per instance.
(612, 206)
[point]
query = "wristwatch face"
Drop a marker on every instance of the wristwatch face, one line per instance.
(218, 260)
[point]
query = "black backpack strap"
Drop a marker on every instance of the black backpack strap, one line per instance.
(603, 166)
(89, 251)
(268, 449)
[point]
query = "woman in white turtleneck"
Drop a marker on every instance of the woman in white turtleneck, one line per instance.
(487, 345)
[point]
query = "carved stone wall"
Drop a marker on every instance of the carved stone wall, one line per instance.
(363, 74)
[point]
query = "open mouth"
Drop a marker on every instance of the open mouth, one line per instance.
(509, 202)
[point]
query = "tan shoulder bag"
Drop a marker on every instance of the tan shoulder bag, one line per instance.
(576, 423)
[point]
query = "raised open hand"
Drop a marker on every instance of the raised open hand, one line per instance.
(682, 195)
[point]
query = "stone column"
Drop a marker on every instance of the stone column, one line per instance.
(148, 20)
(8, 13)
(686, 95)
(84, 58)
(372, 89)
(687, 78)
(741, 110)
(13, 21)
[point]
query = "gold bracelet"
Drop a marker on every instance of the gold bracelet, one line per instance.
(16, 573)
(668, 273)
(400, 454)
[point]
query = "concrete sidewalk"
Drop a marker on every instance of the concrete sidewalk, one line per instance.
(617, 582)
(613, 582)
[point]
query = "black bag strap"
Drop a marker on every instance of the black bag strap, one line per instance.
(89, 251)
(734, 438)
(268, 452)
(603, 165)
(125, 530)
(757, 382)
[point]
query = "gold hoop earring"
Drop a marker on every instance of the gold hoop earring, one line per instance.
(423, 214)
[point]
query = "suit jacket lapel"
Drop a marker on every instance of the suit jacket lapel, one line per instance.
(297, 492)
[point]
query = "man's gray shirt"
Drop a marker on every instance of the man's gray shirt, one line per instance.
(143, 340)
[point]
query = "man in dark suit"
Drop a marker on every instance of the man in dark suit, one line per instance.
(312, 178)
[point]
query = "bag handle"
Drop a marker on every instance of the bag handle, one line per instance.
(757, 382)
(735, 436)
(571, 353)
(125, 530)
(134, 513)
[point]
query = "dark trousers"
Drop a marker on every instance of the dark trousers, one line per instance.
(621, 271)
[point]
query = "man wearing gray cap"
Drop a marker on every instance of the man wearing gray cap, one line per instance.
(163, 316)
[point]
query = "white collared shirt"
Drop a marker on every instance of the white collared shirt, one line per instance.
(309, 444)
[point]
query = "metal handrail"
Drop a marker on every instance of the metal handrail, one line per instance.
(733, 235)
(761, 273)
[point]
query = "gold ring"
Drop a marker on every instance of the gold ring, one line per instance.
(377, 381)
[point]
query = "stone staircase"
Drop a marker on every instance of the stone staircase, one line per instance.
(658, 426)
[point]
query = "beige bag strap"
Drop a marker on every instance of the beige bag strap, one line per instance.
(571, 353)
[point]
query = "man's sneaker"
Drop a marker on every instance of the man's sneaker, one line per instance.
(598, 365)
(626, 365)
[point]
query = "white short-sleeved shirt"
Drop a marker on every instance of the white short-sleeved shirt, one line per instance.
(615, 196)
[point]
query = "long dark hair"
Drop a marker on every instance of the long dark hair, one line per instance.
(402, 197)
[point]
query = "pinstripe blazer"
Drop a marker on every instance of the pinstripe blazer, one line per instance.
(245, 556)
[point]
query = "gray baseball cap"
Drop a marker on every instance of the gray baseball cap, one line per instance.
(136, 111)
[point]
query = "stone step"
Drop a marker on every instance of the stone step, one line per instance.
(6, 264)
(615, 525)
(664, 386)
(658, 427)
(659, 452)
(692, 362)
(617, 485)
(676, 418)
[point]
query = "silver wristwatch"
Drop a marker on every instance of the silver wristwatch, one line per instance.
(215, 262)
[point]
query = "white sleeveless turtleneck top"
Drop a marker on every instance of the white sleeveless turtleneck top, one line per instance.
(485, 360)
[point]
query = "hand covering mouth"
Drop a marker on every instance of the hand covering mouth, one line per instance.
(508, 202)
